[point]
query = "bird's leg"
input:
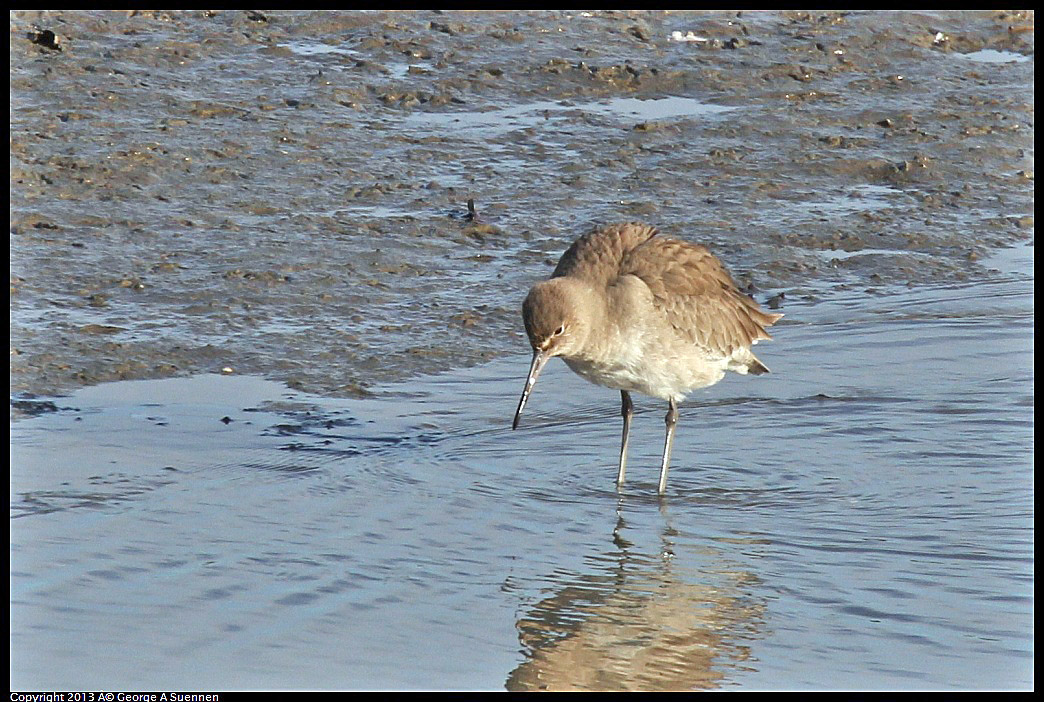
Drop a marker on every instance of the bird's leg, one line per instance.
(671, 419)
(626, 410)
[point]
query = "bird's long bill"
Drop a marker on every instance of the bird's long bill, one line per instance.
(540, 358)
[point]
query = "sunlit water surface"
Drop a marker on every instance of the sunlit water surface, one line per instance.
(860, 518)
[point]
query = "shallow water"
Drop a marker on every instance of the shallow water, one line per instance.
(859, 518)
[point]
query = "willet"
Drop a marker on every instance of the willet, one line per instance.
(638, 312)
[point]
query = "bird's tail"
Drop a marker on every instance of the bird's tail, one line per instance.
(756, 367)
(744, 362)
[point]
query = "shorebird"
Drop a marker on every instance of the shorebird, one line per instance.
(638, 312)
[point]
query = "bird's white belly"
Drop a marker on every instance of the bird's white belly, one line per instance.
(665, 378)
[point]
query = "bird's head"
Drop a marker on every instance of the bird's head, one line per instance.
(556, 320)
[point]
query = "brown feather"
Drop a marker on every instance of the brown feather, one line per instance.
(689, 283)
(693, 289)
(596, 256)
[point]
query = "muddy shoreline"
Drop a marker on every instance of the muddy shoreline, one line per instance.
(284, 194)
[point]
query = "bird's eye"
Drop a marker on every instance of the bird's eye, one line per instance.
(559, 331)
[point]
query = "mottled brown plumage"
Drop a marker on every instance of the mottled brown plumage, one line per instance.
(632, 310)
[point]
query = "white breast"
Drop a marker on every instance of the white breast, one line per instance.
(652, 374)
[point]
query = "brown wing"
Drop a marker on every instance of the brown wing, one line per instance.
(697, 295)
(597, 255)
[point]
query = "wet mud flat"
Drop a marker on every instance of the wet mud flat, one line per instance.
(283, 194)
